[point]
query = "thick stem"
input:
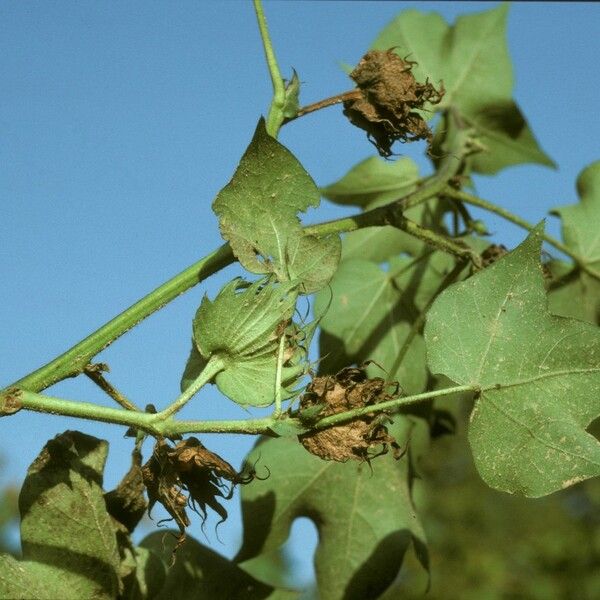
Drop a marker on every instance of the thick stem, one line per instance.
(275, 117)
(74, 360)
(83, 410)
(505, 214)
(154, 424)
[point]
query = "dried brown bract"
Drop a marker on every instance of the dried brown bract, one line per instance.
(349, 389)
(126, 503)
(390, 94)
(189, 474)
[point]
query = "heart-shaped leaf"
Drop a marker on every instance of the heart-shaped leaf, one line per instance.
(258, 214)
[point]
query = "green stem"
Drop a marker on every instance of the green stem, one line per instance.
(155, 425)
(212, 367)
(74, 361)
(248, 426)
(83, 410)
(275, 117)
(420, 320)
(277, 411)
(505, 214)
(396, 403)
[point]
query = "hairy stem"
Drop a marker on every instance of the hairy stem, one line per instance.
(83, 410)
(156, 425)
(94, 372)
(332, 101)
(74, 360)
(275, 117)
(420, 320)
(505, 214)
(213, 366)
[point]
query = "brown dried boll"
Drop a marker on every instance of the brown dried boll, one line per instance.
(350, 388)
(389, 95)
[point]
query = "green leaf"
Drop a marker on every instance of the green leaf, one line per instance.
(68, 541)
(201, 574)
(239, 328)
(471, 57)
(539, 375)
(374, 182)
(580, 234)
(258, 215)
(573, 293)
(368, 316)
(292, 95)
(364, 515)
(193, 367)
(148, 578)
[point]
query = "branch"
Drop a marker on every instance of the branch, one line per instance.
(212, 367)
(73, 361)
(275, 117)
(505, 214)
(332, 101)
(13, 400)
(349, 415)
(94, 372)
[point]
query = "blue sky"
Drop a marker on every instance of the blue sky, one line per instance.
(119, 123)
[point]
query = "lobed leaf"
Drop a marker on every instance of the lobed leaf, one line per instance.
(201, 574)
(68, 541)
(539, 375)
(471, 58)
(364, 515)
(258, 215)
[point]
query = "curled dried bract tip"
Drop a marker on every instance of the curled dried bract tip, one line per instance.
(389, 97)
(189, 475)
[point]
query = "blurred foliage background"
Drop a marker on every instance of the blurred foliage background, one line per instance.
(488, 545)
(9, 513)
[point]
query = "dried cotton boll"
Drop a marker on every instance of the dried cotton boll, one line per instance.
(390, 95)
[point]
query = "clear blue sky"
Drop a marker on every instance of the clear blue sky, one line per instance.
(119, 122)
